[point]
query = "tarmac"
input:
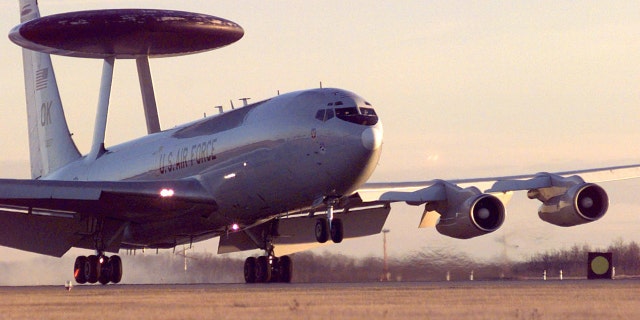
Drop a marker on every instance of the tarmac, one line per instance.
(567, 299)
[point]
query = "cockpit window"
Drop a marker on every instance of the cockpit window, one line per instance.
(345, 112)
(328, 115)
(367, 112)
(324, 114)
(364, 116)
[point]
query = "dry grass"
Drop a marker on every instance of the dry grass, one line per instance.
(444, 300)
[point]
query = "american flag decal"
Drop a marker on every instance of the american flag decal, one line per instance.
(41, 78)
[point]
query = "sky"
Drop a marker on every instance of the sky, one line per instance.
(464, 89)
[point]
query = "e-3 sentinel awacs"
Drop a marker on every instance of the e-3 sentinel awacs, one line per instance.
(280, 175)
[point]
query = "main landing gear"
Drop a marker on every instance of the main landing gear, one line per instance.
(329, 227)
(97, 268)
(268, 269)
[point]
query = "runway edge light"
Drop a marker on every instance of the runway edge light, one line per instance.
(600, 265)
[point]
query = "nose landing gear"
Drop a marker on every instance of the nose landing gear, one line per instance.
(329, 227)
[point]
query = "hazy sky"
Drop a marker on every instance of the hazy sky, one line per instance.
(464, 89)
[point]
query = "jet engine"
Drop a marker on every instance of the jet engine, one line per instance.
(474, 217)
(581, 203)
(464, 213)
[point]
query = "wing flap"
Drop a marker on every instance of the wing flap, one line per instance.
(298, 233)
(37, 233)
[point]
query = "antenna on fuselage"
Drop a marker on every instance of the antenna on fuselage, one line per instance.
(244, 101)
(231, 102)
(220, 109)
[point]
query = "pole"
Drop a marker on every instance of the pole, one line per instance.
(385, 267)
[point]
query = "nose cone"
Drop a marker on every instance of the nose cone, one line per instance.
(372, 137)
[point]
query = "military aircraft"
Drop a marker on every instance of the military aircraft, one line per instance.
(278, 175)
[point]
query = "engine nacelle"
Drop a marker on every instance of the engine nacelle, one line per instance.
(475, 216)
(582, 203)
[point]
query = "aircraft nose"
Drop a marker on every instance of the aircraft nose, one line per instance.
(372, 137)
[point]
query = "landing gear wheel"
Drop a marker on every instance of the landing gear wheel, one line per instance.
(263, 269)
(93, 268)
(79, 270)
(275, 269)
(116, 269)
(322, 230)
(285, 269)
(105, 270)
(104, 280)
(250, 270)
(337, 231)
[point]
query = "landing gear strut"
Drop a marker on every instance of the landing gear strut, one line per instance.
(268, 269)
(97, 268)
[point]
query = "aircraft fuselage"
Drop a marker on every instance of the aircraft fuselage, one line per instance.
(259, 161)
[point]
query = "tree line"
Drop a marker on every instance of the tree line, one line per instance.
(432, 265)
(435, 265)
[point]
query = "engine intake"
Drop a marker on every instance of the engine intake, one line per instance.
(475, 216)
(582, 203)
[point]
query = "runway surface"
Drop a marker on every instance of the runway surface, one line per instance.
(575, 299)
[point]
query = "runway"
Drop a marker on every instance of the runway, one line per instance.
(573, 299)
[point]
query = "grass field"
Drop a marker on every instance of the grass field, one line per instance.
(435, 300)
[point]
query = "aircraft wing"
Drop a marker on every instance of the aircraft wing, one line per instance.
(424, 191)
(467, 208)
(50, 217)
